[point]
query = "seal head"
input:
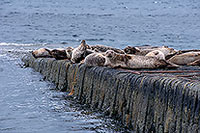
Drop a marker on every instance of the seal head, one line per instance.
(157, 54)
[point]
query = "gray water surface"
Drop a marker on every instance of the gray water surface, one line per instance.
(29, 104)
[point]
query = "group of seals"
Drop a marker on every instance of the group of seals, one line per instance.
(130, 57)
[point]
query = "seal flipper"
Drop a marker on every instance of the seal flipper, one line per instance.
(195, 63)
(171, 65)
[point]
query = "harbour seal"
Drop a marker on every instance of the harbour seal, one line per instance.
(58, 54)
(185, 58)
(145, 50)
(115, 60)
(61, 53)
(131, 50)
(157, 54)
(79, 53)
(95, 59)
(42, 53)
(102, 48)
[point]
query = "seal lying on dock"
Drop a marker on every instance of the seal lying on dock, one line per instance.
(131, 50)
(102, 48)
(144, 50)
(95, 59)
(185, 58)
(60, 54)
(42, 53)
(115, 60)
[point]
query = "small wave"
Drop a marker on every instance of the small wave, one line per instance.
(1, 69)
(93, 15)
(93, 39)
(15, 44)
(7, 129)
(19, 44)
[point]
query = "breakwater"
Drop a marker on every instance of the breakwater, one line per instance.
(144, 103)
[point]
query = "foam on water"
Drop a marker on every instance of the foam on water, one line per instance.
(15, 44)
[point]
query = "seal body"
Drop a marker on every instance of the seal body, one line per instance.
(133, 61)
(42, 53)
(144, 50)
(78, 53)
(102, 48)
(132, 50)
(95, 59)
(157, 54)
(62, 53)
(58, 54)
(185, 58)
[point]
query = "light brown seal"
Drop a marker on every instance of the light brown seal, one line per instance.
(60, 54)
(134, 61)
(42, 53)
(132, 50)
(95, 59)
(146, 49)
(185, 58)
(102, 48)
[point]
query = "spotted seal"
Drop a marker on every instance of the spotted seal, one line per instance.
(146, 49)
(42, 53)
(132, 50)
(185, 58)
(115, 60)
(60, 54)
(95, 59)
(102, 48)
